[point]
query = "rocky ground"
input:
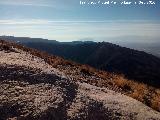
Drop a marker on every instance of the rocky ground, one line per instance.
(32, 89)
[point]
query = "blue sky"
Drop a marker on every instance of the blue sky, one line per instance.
(67, 20)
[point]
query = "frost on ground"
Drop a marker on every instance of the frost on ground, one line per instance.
(21, 58)
(26, 100)
(32, 89)
(108, 104)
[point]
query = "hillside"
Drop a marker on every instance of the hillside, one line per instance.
(136, 65)
(35, 85)
(133, 64)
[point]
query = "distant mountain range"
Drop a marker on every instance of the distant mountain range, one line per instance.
(152, 47)
(134, 64)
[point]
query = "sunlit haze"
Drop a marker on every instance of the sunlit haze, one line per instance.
(67, 20)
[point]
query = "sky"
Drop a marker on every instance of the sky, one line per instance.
(68, 20)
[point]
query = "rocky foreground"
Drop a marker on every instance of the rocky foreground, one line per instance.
(30, 89)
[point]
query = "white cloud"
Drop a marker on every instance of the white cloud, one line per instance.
(41, 3)
(24, 22)
(73, 30)
(56, 4)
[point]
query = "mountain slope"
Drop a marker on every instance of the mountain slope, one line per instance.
(133, 64)
(31, 88)
(136, 65)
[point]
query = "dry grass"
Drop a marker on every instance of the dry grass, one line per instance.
(155, 101)
(142, 92)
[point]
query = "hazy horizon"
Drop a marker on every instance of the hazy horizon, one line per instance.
(69, 21)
